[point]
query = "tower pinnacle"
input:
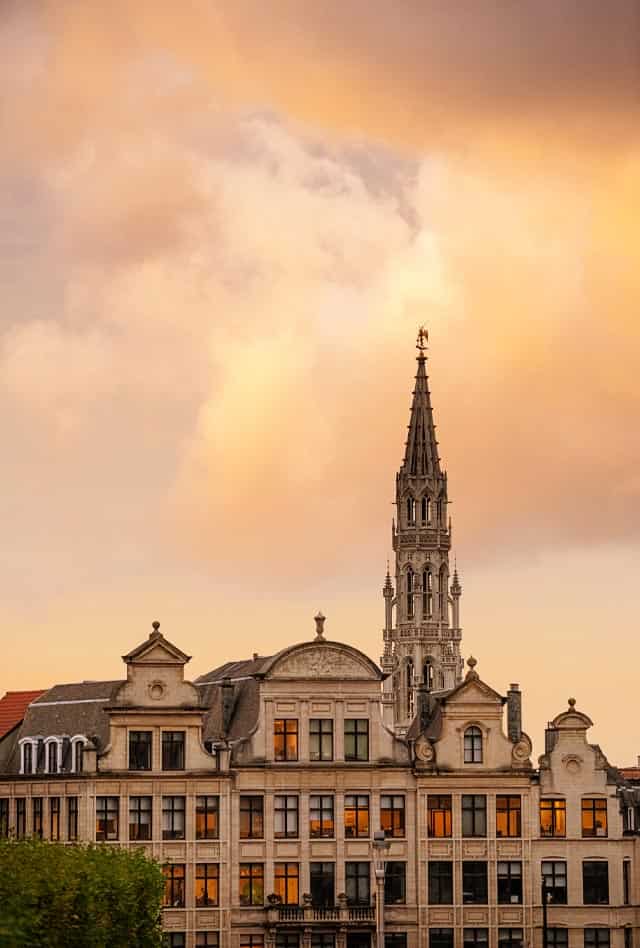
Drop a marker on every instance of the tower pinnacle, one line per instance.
(422, 645)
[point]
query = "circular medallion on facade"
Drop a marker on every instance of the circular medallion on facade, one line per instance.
(156, 690)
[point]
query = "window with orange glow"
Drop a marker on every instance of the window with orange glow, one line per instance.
(173, 885)
(285, 739)
(287, 882)
(392, 814)
(508, 816)
(594, 817)
(321, 822)
(356, 815)
(553, 818)
(439, 816)
(207, 884)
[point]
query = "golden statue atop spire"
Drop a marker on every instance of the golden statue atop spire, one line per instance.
(422, 340)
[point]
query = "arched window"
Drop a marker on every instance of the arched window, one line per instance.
(27, 758)
(442, 593)
(52, 757)
(439, 510)
(77, 750)
(410, 704)
(425, 514)
(411, 510)
(473, 745)
(428, 675)
(427, 593)
(410, 593)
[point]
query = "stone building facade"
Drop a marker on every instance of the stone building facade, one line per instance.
(311, 799)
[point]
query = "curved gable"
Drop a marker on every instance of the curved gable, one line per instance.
(331, 660)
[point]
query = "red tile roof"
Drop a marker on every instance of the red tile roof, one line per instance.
(13, 707)
(631, 773)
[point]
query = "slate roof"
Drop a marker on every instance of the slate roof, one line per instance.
(13, 706)
(72, 709)
(242, 676)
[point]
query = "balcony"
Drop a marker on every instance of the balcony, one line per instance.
(354, 915)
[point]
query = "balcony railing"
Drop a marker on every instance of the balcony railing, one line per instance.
(305, 914)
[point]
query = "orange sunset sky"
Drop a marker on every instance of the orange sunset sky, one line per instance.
(222, 223)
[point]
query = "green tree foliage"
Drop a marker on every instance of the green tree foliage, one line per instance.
(54, 896)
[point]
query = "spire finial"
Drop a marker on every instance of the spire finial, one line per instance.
(155, 625)
(572, 703)
(422, 340)
(319, 619)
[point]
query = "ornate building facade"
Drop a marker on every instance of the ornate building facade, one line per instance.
(311, 799)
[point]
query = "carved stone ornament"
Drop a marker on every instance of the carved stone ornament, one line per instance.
(573, 763)
(521, 751)
(321, 662)
(425, 750)
(156, 690)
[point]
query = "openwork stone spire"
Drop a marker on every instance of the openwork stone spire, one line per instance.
(422, 629)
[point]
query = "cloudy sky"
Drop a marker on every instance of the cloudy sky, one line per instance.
(221, 224)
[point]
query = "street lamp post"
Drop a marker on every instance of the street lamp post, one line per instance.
(381, 847)
(545, 927)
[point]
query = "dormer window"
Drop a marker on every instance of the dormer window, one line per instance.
(77, 753)
(52, 757)
(473, 745)
(27, 758)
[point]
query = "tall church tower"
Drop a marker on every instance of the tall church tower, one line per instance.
(422, 614)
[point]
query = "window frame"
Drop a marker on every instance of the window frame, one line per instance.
(72, 818)
(104, 815)
(356, 730)
(174, 885)
(203, 812)
(286, 882)
(509, 810)
(54, 818)
(597, 937)
(439, 882)
(513, 885)
(207, 939)
(254, 877)
(557, 808)
(590, 886)
(395, 875)
(138, 808)
(284, 728)
(326, 828)
(557, 876)
(140, 750)
(473, 745)
(207, 873)
(472, 873)
(4, 817)
(286, 813)
(173, 743)
(510, 941)
(470, 804)
(171, 813)
(21, 817)
(396, 817)
(358, 878)
(360, 806)
(37, 817)
(439, 812)
(249, 805)
(319, 729)
(590, 807)
(321, 879)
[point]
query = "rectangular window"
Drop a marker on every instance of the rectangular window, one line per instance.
(321, 739)
(207, 939)
(441, 883)
(628, 937)
(441, 938)
(285, 814)
(626, 882)
(474, 883)
(207, 884)
(287, 940)
(321, 819)
(287, 882)
(474, 815)
(395, 940)
(21, 817)
(140, 750)
(323, 884)
(174, 939)
(356, 815)
(510, 938)
(251, 941)
(285, 738)
(358, 883)
(173, 823)
(251, 883)
(557, 937)
(595, 882)
(251, 817)
(596, 938)
(356, 739)
(38, 828)
(4, 817)
(173, 750)
(174, 885)
(323, 940)
(510, 883)
(392, 814)
(594, 817)
(395, 883)
(54, 818)
(439, 816)
(72, 818)
(107, 815)
(207, 817)
(508, 820)
(475, 937)
(554, 873)
(553, 817)
(140, 818)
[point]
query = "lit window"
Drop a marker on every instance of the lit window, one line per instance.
(321, 821)
(251, 883)
(473, 745)
(174, 885)
(553, 817)
(508, 810)
(207, 817)
(287, 882)
(439, 816)
(356, 815)
(392, 814)
(207, 884)
(594, 817)
(285, 739)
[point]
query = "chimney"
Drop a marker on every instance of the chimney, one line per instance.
(514, 713)
(227, 704)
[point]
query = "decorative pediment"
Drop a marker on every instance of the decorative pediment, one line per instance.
(323, 660)
(474, 691)
(156, 650)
